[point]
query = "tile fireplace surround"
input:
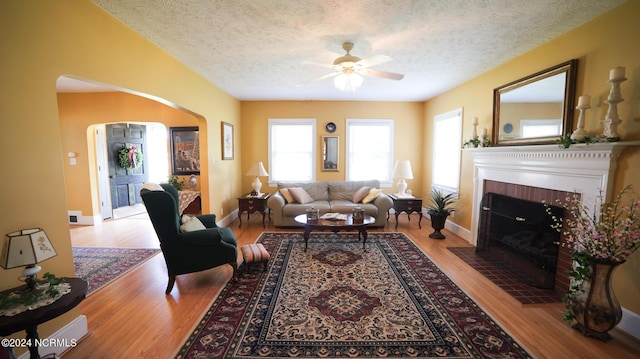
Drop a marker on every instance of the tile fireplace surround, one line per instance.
(585, 169)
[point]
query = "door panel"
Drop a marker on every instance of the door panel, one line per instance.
(125, 184)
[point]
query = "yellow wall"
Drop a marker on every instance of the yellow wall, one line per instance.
(408, 127)
(600, 45)
(43, 40)
(78, 111)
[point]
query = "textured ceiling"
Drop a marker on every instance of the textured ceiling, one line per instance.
(257, 49)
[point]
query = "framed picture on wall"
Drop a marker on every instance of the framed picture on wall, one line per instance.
(227, 141)
(185, 151)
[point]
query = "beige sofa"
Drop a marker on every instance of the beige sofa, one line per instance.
(331, 196)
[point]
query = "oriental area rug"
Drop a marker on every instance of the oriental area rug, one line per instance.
(100, 266)
(337, 300)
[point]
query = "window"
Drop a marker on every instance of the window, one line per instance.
(370, 150)
(447, 136)
(292, 150)
(540, 128)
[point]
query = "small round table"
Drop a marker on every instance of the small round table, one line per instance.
(336, 225)
(30, 319)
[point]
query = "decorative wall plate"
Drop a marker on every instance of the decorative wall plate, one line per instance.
(330, 127)
(507, 128)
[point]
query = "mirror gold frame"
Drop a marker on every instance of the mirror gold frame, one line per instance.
(537, 109)
(330, 153)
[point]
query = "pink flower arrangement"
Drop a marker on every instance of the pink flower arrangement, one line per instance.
(611, 235)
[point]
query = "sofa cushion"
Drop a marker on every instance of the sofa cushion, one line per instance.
(294, 209)
(287, 196)
(300, 195)
(373, 194)
(346, 189)
(345, 206)
(360, 194)
(319, 191)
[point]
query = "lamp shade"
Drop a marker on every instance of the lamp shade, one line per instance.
(348, 81)
(257, 169)
(402, 170)
(26, 247)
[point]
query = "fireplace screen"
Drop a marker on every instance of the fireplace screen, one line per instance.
(516, 235)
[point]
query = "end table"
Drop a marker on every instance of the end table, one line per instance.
(250, 204)
(407, 205)
(30, 319)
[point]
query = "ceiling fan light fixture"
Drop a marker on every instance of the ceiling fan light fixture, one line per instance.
(348, 82)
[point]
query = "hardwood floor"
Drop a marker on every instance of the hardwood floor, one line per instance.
(133, 318)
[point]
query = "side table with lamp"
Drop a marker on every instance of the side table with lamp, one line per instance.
(24, 307)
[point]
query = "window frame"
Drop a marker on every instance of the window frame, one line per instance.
(456, 113)
(292, 121)
(390, 123)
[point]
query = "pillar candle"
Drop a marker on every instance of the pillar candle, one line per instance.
(475, 121)
(584, 100)
(484, 132)
(617, 73)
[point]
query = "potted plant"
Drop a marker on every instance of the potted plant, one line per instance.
(439, 209)
(598, 241)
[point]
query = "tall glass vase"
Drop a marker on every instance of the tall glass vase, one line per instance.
(597, 310)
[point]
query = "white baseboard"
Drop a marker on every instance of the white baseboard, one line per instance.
(630, 323)
(64, 338)
(76, 217)
(226, 220)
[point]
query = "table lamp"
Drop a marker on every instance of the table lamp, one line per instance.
(26, 247)
(257, 169)
(402, 171)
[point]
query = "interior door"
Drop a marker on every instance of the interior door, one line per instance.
(125, 184)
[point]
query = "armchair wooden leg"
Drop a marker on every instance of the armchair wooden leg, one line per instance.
(234, 265)
(172, 281)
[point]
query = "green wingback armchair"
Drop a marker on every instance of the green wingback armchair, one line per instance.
(187, 252)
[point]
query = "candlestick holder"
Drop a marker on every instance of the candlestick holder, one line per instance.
(580, 133)
(611, 121)
(475, 131)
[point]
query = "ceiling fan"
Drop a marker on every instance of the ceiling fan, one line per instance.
(348, 69)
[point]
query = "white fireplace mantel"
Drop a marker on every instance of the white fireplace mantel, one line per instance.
(587, 169)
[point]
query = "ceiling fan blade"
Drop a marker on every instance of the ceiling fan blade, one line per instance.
(373, 61)
(382, 74)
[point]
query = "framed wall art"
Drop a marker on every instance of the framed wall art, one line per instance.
(185, 151)
(227, 141)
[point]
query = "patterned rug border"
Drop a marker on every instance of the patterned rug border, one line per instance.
(220, 296)
(128, 267)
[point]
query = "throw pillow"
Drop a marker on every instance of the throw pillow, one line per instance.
(300, 195)
(152, 186)
(192, 224)
(373, 193)
(287, 196)
(360, 194)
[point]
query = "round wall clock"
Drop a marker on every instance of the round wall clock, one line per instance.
(507, 128)
(331, 127)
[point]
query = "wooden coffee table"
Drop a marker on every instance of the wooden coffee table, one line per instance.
(335, 226)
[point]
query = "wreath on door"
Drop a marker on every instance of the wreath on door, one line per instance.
(130, 157)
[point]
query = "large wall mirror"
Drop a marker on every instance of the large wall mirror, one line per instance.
(536, 109)
(330, 146)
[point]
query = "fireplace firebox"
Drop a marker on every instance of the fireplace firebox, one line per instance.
(516, 235)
